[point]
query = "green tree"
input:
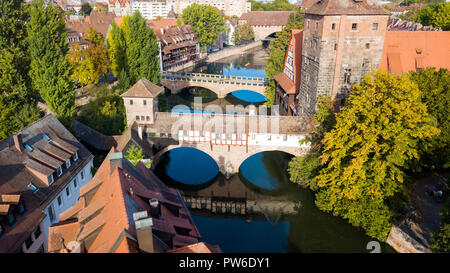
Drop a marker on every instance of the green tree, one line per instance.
(434, 89)
(15, 83)
(124, 81)
(50, 69)
(86, 9)
(436, 15)
(142, 50)
(275, 5)
(105, 113)
(243, 33)
(206, 22)
(277, 52)
(376, 138)
(116, 49)
(92, 62)
(134, 155)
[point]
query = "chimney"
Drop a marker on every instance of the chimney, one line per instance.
(144, 231)
(155, 209)
(18, 142)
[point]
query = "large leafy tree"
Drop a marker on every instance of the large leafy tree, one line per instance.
(277, 52)
(14, 61)
(273, 5)
(377, 136)
(17, 97)
(141, 50)
(135, 154)
(50, 69)
(116, 49)
(243, 33)
(434, 89)
(206, 21)
(92, 62)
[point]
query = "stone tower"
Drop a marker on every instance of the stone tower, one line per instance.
(141, 102)
(342, 41)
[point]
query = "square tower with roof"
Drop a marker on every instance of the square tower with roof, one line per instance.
(342, 41)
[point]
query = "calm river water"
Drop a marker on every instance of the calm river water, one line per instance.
(280, 216)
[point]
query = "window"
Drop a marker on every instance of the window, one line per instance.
(354, 26)
(28, 147)
(59, 171)
(75, 183)
(68, 163)
(142, 118)
(137, 117)
(50, 179)
(51, 214)
(285, 138)
(46, 137)
(37, 232)
(333, 26)
(131, 102)
(59, 199)
(21, 207)
(335, 46)
(82, 175)
(147, 118)
(28, 242)
(75, 156)
(145, 102)
(367, 45)
(11, 219)
(375, 26)
(269, 137)
(68, 191)
(33, 187)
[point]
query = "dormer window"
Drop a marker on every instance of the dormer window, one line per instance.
(68, 163)
(46, 137)
(50, 179)
(33, 187)
(21, 208)
(28, 147)
(11, 219)
(75, 156)
(59, 171)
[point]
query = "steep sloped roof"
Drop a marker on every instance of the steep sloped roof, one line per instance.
(143, 89)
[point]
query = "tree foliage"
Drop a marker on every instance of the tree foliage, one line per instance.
(206, 21)
(135, 154)
(275, 5)
(377, 136)
(440, 242)
(92, 62)
(116, 49)
(277, 52)
(50, 69)
(436, 15)
(243, 33)
(434, 89)
(86, 9)
(105, 113)
(141, 50)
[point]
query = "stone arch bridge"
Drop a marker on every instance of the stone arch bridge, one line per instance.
(219, 84)
(242, 135)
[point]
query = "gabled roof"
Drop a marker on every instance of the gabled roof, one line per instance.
(143, 89)
(266, 18)
(289, 86)
(345, 7)
(104, 222)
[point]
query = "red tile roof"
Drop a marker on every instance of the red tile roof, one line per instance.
(406, 51)
(345, 7)
(105, 222)
(266, 18)
(197, 248)
(143, 89)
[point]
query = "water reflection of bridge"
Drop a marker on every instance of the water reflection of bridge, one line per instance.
(233, 197)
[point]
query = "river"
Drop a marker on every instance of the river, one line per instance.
(258, 209)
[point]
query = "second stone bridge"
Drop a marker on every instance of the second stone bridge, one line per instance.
(219, 84)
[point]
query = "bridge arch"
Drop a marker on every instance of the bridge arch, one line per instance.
(219, 84)
(228, 158)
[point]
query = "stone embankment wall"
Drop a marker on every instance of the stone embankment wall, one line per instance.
(404, 243)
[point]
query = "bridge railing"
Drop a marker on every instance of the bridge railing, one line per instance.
(216, 78)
